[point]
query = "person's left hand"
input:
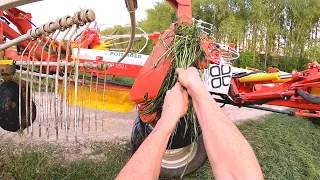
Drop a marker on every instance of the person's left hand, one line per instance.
(174, 107)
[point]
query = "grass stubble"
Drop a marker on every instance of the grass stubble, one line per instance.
(286, 147)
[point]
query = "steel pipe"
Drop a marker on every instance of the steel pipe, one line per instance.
(15, 41)
(61, 64)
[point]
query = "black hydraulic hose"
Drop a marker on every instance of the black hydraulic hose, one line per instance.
(230, 102)
(131, 6)
(254, 106)
(309, 97)
(240, 75)
(233, 94)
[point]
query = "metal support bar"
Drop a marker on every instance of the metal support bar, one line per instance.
(100, 66)
(6, 62)
(111, 37)
(290, 113)
(15, 41)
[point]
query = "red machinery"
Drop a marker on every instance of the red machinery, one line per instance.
(90, 42)
(295, 90)
(235, 86)
(239, 87)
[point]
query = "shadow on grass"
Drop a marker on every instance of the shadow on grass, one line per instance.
(315, 121)
(286, 147)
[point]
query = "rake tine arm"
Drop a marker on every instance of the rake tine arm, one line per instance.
(80, 18)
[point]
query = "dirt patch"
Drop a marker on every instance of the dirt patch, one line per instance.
(98, 125)
(56, 123)
(94, 128)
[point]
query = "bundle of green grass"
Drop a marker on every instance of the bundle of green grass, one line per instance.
(186, 51)
(9, 106)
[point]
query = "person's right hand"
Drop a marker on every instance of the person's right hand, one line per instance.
(190, 79)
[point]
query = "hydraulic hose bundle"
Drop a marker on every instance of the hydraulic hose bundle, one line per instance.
(308, 97)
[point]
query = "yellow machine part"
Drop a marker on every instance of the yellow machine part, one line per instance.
(315, 91)
(282, 80)
(6, 62)
(261, 77)
(110, 99)
(104, 45)
(54, 47)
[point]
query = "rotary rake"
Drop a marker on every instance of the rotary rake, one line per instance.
(57, 77)
(43, 77)
(69, 84)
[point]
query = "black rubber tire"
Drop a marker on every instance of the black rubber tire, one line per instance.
(140, 132)
(195, 163)
(9, 107)
(138, 135)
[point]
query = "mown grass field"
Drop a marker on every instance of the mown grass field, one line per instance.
(286, 147)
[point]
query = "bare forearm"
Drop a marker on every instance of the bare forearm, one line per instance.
(146, 162)
(230, 155)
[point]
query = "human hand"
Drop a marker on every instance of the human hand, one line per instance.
(174, 107)
(190, 79)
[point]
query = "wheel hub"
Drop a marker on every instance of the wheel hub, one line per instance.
(177, 158)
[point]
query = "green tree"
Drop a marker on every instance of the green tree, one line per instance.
(158, 18)
(285, 30)
(313, 53)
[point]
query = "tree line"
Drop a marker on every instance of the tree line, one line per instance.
(280, 33)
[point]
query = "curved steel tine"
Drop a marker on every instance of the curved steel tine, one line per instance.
(65, 78)
(103, 100)
(47, 105)
(27, 86)
(90, 91)
(56, 102)
(20, 84)
(95, 112)
(76, 84)
(82, 102)
(40, 85)
(31, 85)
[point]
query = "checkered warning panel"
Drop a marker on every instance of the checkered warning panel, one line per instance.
(218, 78)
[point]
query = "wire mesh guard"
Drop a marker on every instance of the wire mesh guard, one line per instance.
(57, 96)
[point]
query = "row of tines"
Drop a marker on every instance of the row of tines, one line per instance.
(80, 18)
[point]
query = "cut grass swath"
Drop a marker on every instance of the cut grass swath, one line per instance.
(186, 51)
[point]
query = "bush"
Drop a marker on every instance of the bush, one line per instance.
(284, 63)
(245, 60)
